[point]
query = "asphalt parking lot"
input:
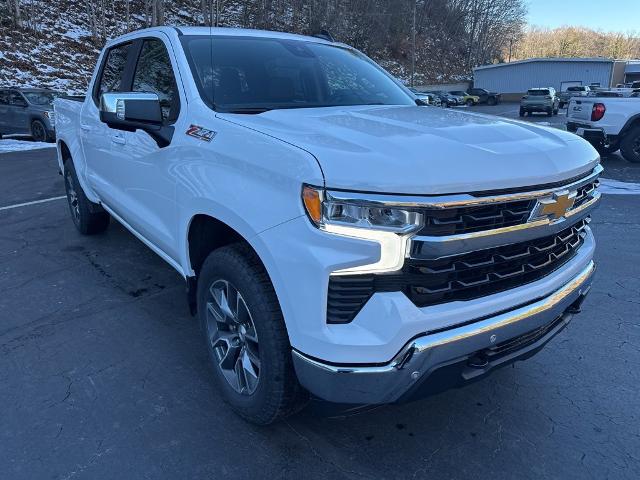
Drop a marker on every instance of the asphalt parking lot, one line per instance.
(103, 373)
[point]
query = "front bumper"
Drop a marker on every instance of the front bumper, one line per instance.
(450, 357)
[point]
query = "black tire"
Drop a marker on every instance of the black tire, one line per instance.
(469, 102)
(555, 112)
(561, 105)
(522, 112)
(274, 391)
(492, 101)
(39, 132)
(550, 112)
(88, 217)
(630, 145)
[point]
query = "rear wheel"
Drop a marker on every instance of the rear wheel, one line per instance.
(246, 337)
(630, 145)
(549, 112)
(522, 112)
(88, 217)
(491, 101)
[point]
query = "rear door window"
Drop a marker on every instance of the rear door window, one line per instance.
(154, 74)
(113, 69)
(16, 99)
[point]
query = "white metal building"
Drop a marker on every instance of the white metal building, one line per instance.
(517, 77)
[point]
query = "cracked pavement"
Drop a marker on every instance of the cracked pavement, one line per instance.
(103, 373)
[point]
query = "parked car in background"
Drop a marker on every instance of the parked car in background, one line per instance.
(570, 92)
(539, 100)
(609, 124)
(465, 98)
(446, 99)
(28, 111)
(485, 96)
(427, 97)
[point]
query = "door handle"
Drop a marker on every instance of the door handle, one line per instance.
(118, 139)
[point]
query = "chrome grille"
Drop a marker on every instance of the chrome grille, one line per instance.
(452, 221)
(476, 218)
(458, 277)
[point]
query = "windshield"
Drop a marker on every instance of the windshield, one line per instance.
(251, 75)
(40, 98)
(538, 92)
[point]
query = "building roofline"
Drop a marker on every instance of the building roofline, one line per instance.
(548, 59)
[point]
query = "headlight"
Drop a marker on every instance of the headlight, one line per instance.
(391, 227)
(324, 211)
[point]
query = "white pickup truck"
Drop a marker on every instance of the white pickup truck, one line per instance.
(335, 238)
(609, 124)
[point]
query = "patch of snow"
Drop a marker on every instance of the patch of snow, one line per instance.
(76, 33)
(13, 145)
(616, 187)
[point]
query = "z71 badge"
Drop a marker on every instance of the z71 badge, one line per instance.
(200, 133)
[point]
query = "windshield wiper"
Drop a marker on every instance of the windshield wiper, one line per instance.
(249, 110)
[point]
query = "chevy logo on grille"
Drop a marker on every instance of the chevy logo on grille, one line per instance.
(555, 206)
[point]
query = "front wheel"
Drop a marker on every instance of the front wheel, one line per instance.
(522, 112)
(630, 145)
(246, 337)
(469, 103)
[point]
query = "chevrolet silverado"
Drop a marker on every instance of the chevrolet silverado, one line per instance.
(335, 239)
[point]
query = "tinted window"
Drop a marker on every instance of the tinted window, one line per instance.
(41, 98)
(254, 74)
(4, 97)
(16, 99)
(154, 74)
(113, 69)
(538, 92)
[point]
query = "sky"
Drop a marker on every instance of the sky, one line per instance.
(612, 15)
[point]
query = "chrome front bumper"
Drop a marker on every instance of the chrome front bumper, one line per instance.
(449, 357)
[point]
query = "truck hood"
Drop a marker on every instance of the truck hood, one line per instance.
(425, 150)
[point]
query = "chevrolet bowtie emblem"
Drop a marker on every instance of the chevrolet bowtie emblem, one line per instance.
(556, 206)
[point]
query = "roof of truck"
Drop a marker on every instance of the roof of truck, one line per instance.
(224, 32)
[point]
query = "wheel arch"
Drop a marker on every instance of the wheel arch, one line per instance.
(634, 121)
(205, 233)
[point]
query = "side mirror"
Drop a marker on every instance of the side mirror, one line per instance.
(131, 111)
(422, 103)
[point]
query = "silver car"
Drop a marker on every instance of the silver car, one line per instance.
(540, 100)
(28, 111)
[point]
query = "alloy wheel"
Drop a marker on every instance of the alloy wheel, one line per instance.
(232, 337)
(72, 197)
(37, 132)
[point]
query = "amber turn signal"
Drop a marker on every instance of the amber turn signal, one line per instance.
(313, 203)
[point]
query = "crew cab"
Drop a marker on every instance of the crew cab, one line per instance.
(336, 239)
(609, 124)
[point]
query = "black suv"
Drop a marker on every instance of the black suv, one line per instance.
(490, 98)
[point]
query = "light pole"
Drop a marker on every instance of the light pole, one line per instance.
(413, 45)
